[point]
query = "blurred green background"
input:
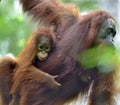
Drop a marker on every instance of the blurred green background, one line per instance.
(15, 26)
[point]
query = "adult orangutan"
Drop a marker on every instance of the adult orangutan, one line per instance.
(77, 34)
(39, 46)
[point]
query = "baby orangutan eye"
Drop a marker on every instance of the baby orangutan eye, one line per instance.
(40, 47)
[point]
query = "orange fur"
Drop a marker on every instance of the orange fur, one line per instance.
(7, 65)
(25, 69)
(22, 68)
(76, 34)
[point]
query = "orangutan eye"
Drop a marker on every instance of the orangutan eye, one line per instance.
(40, 47)
(111, 31)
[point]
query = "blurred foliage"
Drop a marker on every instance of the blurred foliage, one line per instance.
(14, 27)
(103, 57)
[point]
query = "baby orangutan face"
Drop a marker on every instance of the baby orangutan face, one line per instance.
(44, 47)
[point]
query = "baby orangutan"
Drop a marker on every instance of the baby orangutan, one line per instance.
(39, 46)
